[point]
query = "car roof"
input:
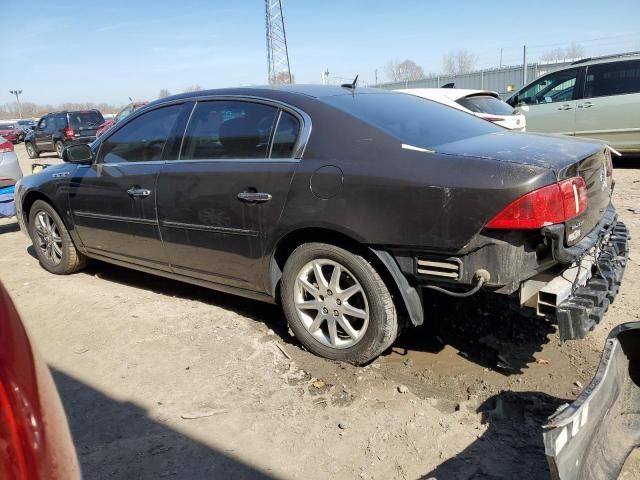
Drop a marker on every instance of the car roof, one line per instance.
(447, 93)
(622, 57)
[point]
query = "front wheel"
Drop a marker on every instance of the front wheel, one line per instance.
(337, 305)
(59, 148)
(52, 242)
(31, 150)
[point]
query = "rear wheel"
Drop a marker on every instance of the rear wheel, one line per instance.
(31, 150)
(336, 304)
(52, 242)
(59, 148)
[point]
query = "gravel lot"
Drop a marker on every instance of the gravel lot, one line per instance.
(165, 380)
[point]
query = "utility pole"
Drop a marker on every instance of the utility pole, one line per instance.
(17, 94)
(524, 65)
(277, 52)
(325, 77)
(500, 58)
(375, 72)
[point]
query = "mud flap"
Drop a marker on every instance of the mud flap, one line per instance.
(592, 438)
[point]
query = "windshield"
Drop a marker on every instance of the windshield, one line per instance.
(26, 123)
(486, 104)
(413, 120)
(85, 119)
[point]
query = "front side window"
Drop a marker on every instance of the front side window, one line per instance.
(617, 78)
(555, 87)
(142, 139)
(42, 124)
(228, 129)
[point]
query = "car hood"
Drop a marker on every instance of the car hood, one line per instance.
(551, 151)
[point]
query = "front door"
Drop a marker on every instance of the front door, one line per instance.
(113, 200)
(44, 133)
(229, 187)
(548, 103)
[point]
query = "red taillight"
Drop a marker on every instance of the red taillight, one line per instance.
(6, 147)
(12, 460)
(555, 203)
(68, 132)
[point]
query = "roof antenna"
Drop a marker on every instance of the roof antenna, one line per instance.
(352, 86)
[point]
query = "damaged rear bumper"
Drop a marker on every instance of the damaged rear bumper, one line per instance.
(587, 304)
(592, 438)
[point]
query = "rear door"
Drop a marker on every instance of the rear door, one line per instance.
(44, 133)
(113, 200)
(610, 110)
(225, 194)
(548, 103)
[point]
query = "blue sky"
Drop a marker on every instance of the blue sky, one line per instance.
(110, 50)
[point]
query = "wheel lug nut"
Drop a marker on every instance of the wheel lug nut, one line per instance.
(338, 301)
(329, 292)
(324, 310)
(335, 313)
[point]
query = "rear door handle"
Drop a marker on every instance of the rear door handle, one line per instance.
(586, 105)
(565, 107)
(254, 197)
(138, 192)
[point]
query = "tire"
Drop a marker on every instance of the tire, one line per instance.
(313, 306)
(46, 228)
(59, 147)
(32, 151)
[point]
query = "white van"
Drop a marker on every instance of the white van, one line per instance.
(592, 98)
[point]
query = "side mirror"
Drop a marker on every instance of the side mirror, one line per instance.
(80, 154)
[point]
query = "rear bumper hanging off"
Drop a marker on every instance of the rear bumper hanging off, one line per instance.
(586, 305)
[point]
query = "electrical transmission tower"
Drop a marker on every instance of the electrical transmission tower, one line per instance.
(277, 53)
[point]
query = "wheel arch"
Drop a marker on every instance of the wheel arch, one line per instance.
(409, 299)
(30, 198)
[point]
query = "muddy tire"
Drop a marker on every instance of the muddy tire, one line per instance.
(32, 151)
(337, 305)
(59, 148)
(51, 240)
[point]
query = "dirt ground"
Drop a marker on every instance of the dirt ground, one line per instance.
(165, 380)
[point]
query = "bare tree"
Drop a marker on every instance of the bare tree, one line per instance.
(282, 78)
(572, 52)
(164, 93)
(192, 88)
(456, 63)
(404, 71)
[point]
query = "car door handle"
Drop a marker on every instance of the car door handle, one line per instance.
(565, 107)
(138, 192)
(254, 197)
(586, 105)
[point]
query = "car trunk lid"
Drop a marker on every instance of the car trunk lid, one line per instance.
(567, 157)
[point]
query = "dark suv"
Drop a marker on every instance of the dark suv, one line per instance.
(57, 130)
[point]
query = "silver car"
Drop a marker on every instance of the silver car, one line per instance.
(10, 171)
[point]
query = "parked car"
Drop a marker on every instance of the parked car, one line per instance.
(343, 204)
(11, 132)
(10, 171)
(132, 107)
(57, 130)
(481, 103)
(26, 125)
(593, 98)
(34, 433)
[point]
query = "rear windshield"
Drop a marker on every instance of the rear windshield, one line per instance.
(7, 126)
(85, 119)
(413, 120)
(486, 104)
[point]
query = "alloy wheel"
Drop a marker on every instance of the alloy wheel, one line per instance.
(59, 149)
(331, 303)
(49, 239)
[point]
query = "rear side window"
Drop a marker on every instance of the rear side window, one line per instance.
(617, 78)
(486, 104)
(284, 139)
(413, 120)
(88, 119)
(142, 139)
(228, 129)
